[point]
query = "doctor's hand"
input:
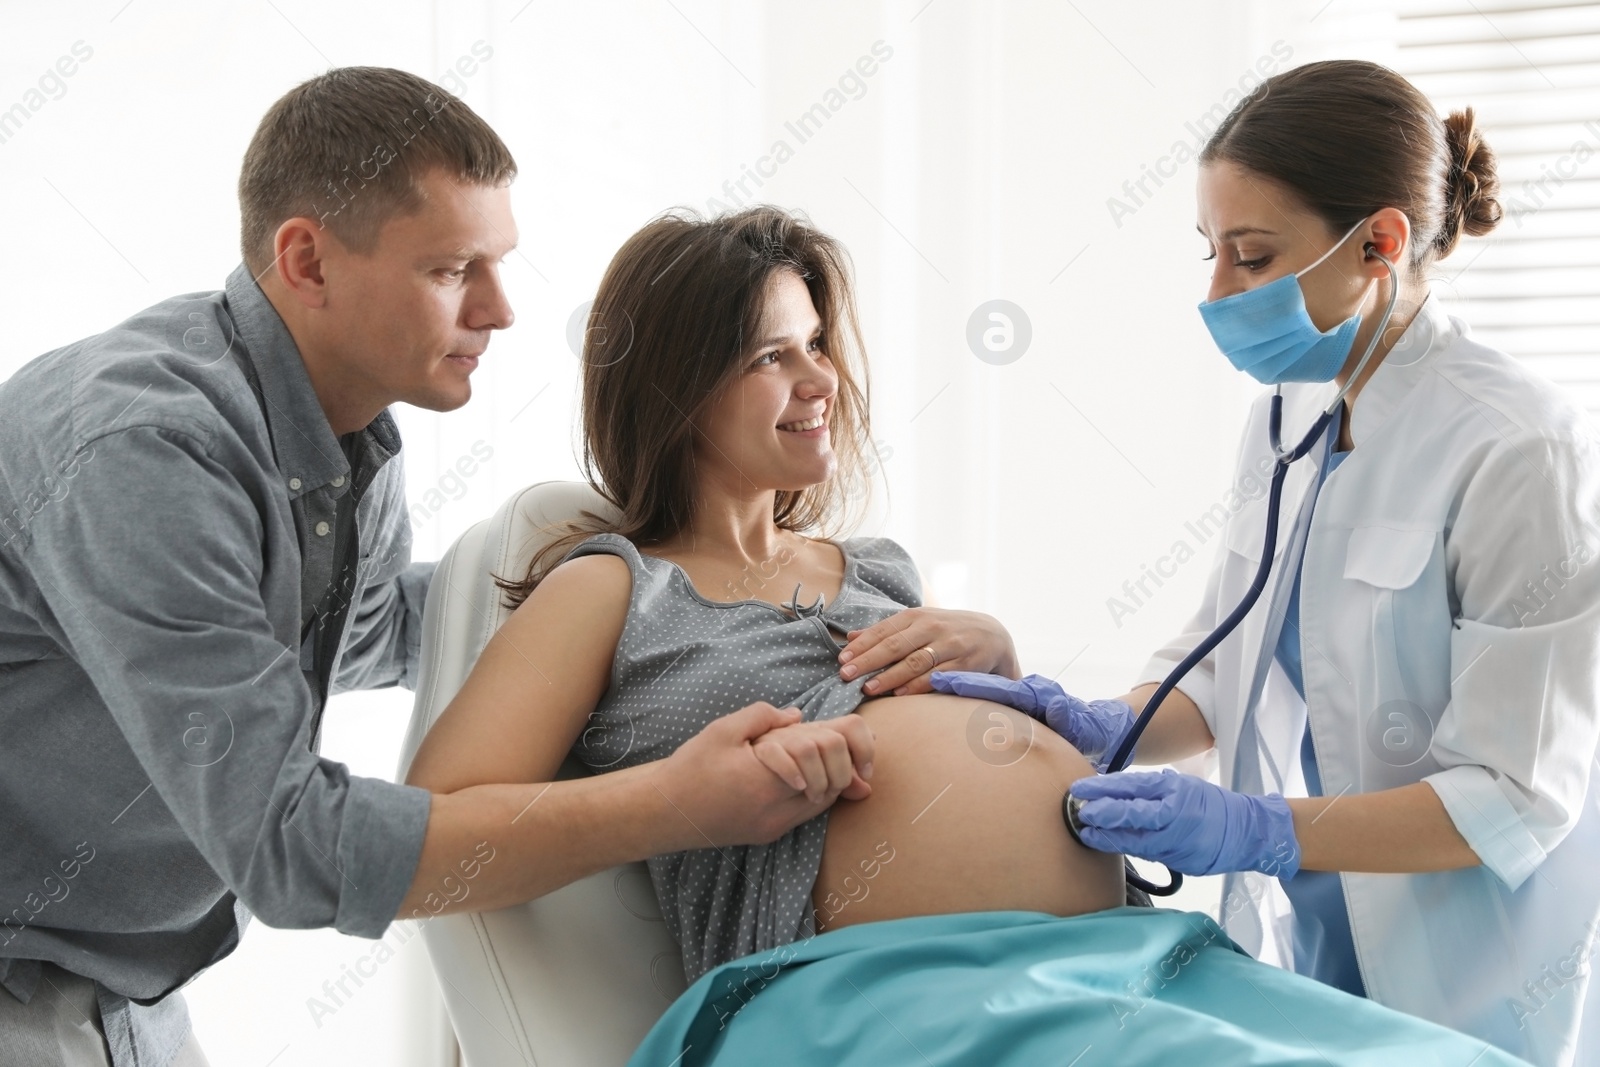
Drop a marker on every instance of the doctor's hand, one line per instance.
(1093, 727)
(958, 640)
(1187, 823)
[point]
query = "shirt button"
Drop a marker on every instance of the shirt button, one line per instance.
(322, 529)
(294, 483)
(337, 482)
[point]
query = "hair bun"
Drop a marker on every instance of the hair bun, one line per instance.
(1472, 204)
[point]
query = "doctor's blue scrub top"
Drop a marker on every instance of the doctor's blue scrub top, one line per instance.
(1323, 946)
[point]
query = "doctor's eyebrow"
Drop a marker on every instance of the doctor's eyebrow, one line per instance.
(1240, 231)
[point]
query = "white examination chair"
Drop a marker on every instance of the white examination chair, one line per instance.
(577, 977)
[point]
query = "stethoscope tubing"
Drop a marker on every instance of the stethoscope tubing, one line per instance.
(1282, 460)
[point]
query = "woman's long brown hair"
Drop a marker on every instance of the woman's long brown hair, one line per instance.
(671, 328)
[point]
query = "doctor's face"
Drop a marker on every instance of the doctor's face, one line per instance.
(759, 434)
(1258, 231)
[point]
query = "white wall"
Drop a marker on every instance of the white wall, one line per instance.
(976, 165)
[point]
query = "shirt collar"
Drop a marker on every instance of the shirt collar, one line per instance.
(308, 453)
(1430, 332)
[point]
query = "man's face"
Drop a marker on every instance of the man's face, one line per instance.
(409, 320)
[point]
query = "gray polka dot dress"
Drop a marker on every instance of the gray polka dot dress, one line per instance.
(684, 660)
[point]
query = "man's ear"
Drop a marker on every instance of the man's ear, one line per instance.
(300, 248)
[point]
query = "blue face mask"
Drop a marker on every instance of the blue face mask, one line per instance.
(1267, 333)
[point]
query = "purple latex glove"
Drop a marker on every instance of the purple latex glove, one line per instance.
(1093, 728)
(1187, 823)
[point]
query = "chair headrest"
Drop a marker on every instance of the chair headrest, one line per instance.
(465, 606)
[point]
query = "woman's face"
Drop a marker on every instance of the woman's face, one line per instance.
(764, 431)
(1258, 233)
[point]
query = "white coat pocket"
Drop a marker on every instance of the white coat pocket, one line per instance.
(1406, 610)
(1388, 558)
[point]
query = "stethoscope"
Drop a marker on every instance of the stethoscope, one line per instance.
(1284, 457)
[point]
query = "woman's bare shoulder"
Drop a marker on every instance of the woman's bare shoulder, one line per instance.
(592, 589)
(535, 683)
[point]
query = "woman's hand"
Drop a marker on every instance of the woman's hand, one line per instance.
(817, 758)
(960, 641)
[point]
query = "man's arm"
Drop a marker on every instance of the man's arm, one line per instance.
(384, 645)
(385, 636)
(150, 574)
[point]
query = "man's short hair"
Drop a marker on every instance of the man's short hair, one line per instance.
(347, 148)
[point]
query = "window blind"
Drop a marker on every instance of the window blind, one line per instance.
(1530, 69)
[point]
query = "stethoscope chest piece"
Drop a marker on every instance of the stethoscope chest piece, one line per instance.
(1070, 806)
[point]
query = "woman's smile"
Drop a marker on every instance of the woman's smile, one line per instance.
(816, 426)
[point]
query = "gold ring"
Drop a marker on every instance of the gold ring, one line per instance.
(931, 655)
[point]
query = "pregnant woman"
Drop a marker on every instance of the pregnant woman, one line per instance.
(725, 416)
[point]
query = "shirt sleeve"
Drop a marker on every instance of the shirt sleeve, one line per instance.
(1517, 740)
(150, 575)
(385, 642)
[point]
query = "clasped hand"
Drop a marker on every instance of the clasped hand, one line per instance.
(820, 759)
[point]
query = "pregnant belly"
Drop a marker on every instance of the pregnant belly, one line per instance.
(965, 815)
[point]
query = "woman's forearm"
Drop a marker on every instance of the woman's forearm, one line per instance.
(1177, 731)
(1393, 831)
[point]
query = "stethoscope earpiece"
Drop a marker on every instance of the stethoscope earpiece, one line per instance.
(1372, 250)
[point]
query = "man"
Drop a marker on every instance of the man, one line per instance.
(203, 535)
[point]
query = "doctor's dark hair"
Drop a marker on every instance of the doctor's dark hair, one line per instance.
(1349, 137)
(671, 329)
(347, 147)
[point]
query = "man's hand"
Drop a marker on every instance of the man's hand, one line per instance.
(731, 796)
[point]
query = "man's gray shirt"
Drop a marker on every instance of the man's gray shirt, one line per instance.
(186, 551)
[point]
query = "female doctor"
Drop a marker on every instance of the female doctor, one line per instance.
(1406, 719)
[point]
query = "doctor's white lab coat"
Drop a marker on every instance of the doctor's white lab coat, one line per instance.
(1450, 630)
